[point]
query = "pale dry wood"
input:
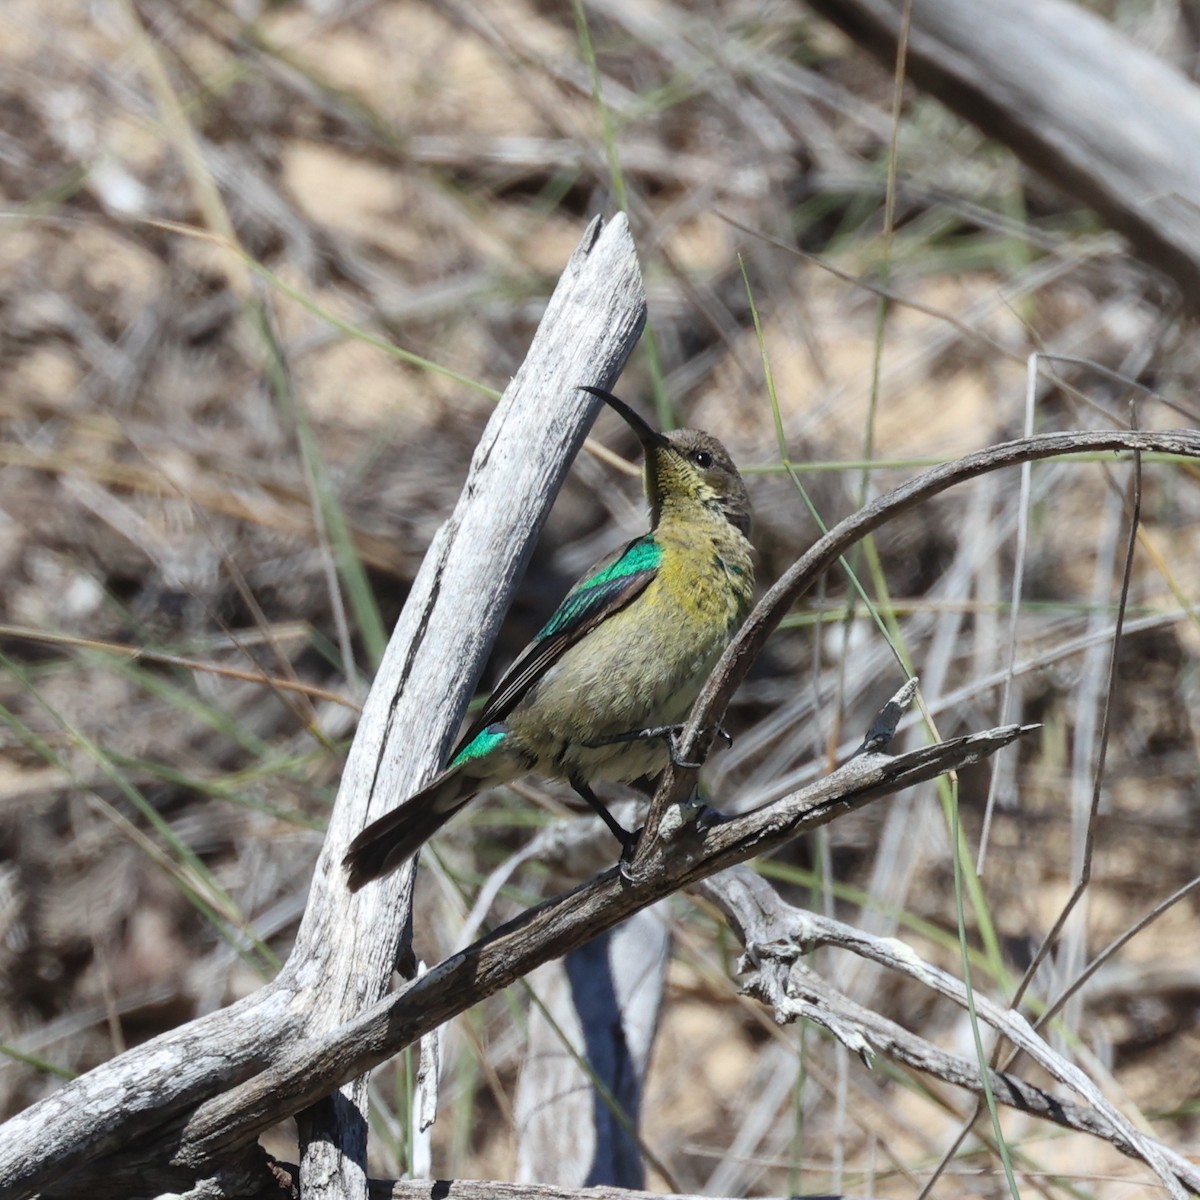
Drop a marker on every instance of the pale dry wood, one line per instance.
(1100, 117)
(226, 1124)
(217, 1143)
(775, 936)
(346, 945)
(591, 1033)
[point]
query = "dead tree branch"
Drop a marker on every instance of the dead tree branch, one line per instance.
(776, 935)
(347, 946)
(1108, 131)
(227, 1124)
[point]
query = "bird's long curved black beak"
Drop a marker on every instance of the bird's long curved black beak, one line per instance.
(646, 435)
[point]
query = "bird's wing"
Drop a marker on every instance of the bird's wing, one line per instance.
(607, 588)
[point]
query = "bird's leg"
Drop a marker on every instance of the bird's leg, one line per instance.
(628, 840)
(669, 734)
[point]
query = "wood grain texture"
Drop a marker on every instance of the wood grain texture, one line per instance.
(778, 937)
(224, 1125)
(1105, 120)
(599, 1005)
(347, 944)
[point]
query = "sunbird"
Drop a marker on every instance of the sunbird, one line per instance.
(602, 690)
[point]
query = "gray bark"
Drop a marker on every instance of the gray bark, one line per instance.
(1108, 122)
(185, 1110)
(590, 1037)
(347, 945)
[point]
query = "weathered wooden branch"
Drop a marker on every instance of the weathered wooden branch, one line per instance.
(677, 782)
(347, 944)
(776, 935)
(191, 1104)
(225, 1126)
(191, 1139)
(1097, 115)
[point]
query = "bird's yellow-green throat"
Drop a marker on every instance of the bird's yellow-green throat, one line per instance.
(597, 693)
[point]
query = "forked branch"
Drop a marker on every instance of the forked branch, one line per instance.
(707, 712)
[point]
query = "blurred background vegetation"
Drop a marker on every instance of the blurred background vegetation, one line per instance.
(263, 268)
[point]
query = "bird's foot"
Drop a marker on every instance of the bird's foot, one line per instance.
(628, 850)
(672, 737)
(669, 734)
(677, 759)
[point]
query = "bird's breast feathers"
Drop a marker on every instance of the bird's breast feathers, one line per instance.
(644, 665)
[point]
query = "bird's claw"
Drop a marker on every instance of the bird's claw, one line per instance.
(628, 850)
(672, 738)
(677, 759)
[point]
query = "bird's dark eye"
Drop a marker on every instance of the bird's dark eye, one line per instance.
(702, 459)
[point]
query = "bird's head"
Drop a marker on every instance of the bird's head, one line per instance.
(686, 466)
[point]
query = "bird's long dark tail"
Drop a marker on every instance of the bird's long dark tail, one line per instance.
(392, 840)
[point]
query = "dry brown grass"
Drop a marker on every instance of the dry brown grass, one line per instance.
(420, 173)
